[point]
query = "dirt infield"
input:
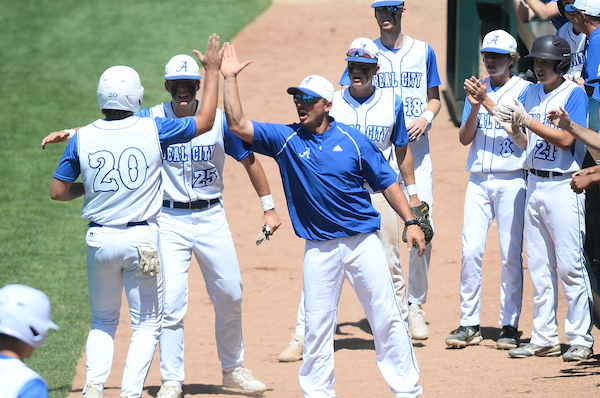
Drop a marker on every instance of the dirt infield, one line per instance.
(290, 40)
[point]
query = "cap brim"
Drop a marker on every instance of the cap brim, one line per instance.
(387, 3)
(362, 60)
(295, 90)
(570, 8)
(493, 50)
(183, 77)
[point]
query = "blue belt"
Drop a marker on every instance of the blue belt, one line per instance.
(196, 205)
(129, 224)
(544, 173)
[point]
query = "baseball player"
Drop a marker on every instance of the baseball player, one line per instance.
(408, 68)
(496, 189)
(376, 113)
(119, 160)
(24, 324)
(332, 211)
(544, 10)
(555, 215)
(193, 221)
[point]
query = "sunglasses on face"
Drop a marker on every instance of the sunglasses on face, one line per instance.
(359, 52)
(305, 98)
(387, 8)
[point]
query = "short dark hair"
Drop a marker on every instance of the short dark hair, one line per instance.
(116, 114)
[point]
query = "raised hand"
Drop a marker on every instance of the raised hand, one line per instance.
(559, 118)
(231, 66)
(476, 89)
(211, 60)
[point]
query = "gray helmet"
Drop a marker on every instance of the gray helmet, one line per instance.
(553, 48)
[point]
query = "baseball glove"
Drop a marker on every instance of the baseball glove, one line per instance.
(421, 213)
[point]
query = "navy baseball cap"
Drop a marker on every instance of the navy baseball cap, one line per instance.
(314, 85)
(385, 3)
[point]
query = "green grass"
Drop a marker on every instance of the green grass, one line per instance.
(51, 56)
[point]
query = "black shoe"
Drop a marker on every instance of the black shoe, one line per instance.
(465, 335)
(508, 338)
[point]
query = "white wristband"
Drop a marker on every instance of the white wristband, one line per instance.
(411, 189)
(267, 202)
(428, 115)
(71, 133)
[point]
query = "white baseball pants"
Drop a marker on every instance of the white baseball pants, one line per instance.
(112, 262)
(206, 233)
(489, 196)
(361, 260)
(555, 233)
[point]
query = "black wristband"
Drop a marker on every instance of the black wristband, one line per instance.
(410, 222)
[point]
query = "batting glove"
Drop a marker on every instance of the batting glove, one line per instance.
(149, 259)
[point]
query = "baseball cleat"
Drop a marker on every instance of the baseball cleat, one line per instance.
(417, 328)
(92, 392)
(169, 392)
(242, 378)
(530, 349)
(577, 353)
(294, 350)
(464, 336)
(508, 338)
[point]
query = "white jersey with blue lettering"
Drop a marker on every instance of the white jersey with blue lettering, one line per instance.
(492, 149)
(194, 170)
(542, 155)
(577, 43)
(408, 72)
(124, 173)
(376, 118)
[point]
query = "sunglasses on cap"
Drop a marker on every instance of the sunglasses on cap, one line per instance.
(305, 98)
(359, 52)
(388, 8)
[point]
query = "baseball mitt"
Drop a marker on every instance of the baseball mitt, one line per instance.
(421, 213)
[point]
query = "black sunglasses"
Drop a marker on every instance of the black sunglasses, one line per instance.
(307, 99)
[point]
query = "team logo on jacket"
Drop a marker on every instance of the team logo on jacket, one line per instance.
(305, 154)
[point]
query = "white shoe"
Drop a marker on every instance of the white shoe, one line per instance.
(242, 378)
(294, 350)
(416, 324)
(92, 392)
(169, 392)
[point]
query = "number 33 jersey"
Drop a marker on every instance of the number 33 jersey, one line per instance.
(194, 170)
(120, 166)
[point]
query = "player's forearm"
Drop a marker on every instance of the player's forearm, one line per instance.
(395, 197)
(466, 133)
(236, 121)
(544, 11)
(257, 175)
(524, 13)
(585, 135)
(64, 190)
(433, 100)
(208, 107)
(557, 137)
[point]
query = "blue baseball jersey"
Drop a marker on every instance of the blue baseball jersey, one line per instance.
(492, 149)
(558, 21)
(120, 164)
(323, 177)
(541, 154)
(194, 170)
(592, 58)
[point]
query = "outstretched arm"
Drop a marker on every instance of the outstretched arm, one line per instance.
(261, 186)
(236, 121)
(560, 118)
(59, 136)
(211, 61)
